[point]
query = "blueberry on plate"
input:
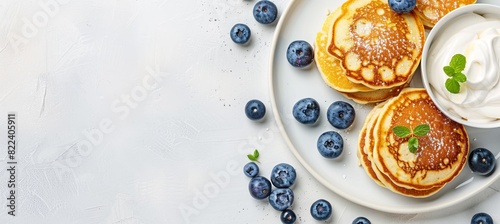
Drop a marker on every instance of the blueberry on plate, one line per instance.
(306, 111)
(482, 161)
(288, 216)
(402, 6)
(321, 210)
(259, 187)
(265, 12)
(251, 169)
(361, 220)
(300, 54)
(281, 198)
(481, 218)
(240, 33)
(330, 144)
(283, 175)
(340, 114)
(255, 110)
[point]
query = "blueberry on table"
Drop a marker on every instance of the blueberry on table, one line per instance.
(321, 210)
(300, 54)
(306, 111)
(240, 33)
(251, 169)
(330, 144)
(255, 109)
(361, 220)
(283, 175)
(402, 6)
(281, 198)
(288, 217)
(259, 187)
(340, 114)
(482, 161)
(265, 12)
(481, 218)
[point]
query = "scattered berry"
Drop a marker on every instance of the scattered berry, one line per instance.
(281, 198)
(306, 111)
(251, 169)
(321, 210)
(402, 6)
(481, 218)
(341, 114)
(265, 12)
(330, 144)
(240, 33)
(361, 220)
(300, 54)
(482, 161)
(288, 216)
(259, 187)
(255, 110)
(283, 175)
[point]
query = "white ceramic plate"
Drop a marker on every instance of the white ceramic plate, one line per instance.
(302, 20)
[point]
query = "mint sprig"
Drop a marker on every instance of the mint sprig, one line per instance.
(419, 131)
(254, 157)
(454, 72)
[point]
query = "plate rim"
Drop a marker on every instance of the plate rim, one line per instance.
(278, 119)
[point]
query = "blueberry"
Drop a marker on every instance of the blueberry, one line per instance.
(300, 54)
(482, 161)
(288, 216)
(481, 218)
(251, 169)
(240, 33)
(402, 6)
(259, 187)
(281, 198)
(330, 144)
(265, 12)
(321, 210)
(361, 220)
(283, 175)
(340, 114)
(255, 110)
(306, 111)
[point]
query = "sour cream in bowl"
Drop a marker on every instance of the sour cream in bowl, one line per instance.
(474, 32)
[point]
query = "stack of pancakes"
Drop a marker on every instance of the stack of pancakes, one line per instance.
(431, 11)
(367, 52)
(440, 156)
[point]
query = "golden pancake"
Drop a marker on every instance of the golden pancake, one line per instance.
(431, 11)
(377, 47)
(374, 96)
(330, 67)
(365, 154)
(365, 144)
(441, 154)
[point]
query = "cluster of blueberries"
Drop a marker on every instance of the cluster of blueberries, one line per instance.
(281, 198)
(264, 12)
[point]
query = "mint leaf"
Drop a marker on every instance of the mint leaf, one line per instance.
(254, 157)
(413, 144)
(458, 62)
(421, 130)
(449, 70)
(401, 131)
(452, 85)
(460, 77)
(256, 153)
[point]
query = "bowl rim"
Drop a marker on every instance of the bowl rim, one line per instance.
(479, 8)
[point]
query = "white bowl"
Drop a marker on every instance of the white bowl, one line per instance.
(436, 95)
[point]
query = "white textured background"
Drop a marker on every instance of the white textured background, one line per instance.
(131, 111)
